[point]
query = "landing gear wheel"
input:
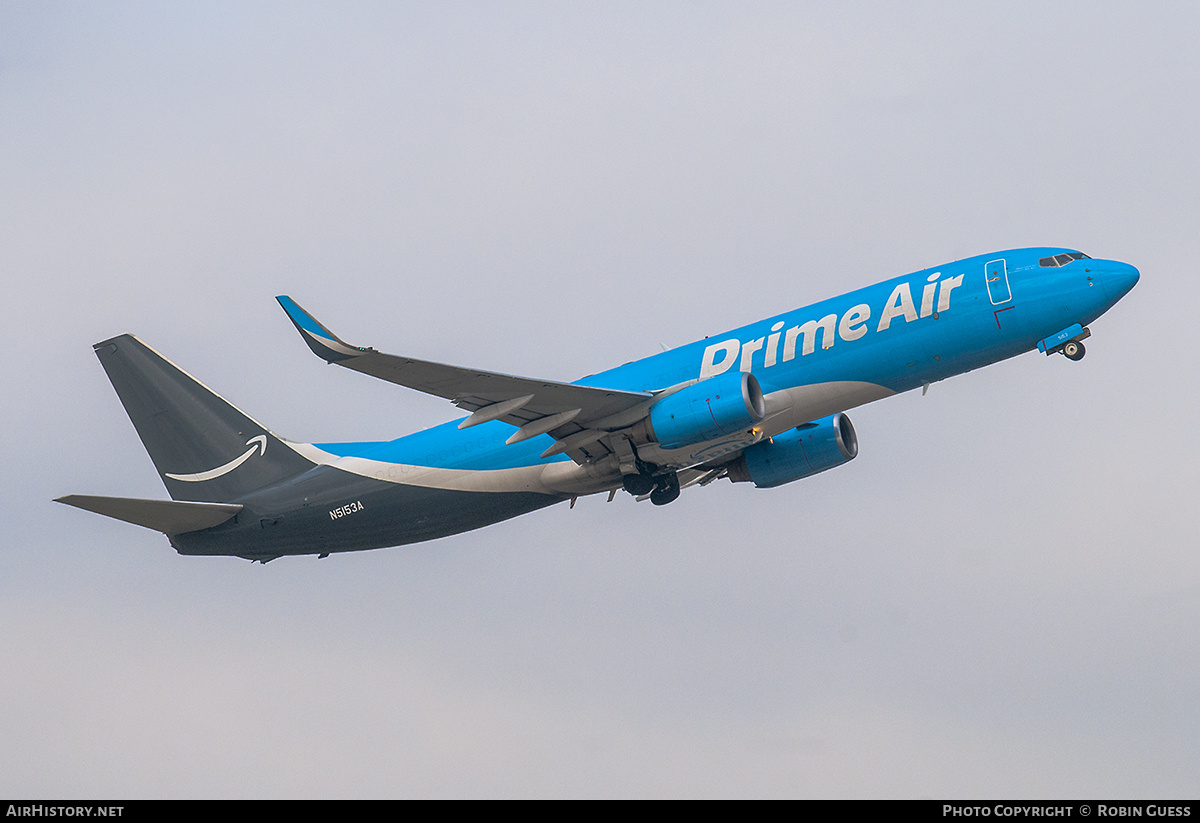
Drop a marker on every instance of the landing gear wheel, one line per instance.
(667, 491)
(1074, 351)
(638, 484)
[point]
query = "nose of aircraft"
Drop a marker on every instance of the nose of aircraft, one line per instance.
(1118, 278)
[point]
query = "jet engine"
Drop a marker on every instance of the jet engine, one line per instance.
(797, 453)
(710, 409)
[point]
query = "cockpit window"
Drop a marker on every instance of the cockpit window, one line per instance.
(1062, 259)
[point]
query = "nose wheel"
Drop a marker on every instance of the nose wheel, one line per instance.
(1074, 351)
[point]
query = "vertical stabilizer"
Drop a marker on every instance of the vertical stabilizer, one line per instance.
(203, 447)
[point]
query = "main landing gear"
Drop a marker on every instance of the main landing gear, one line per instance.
(662, 485)
(666, 490)
(1074, 351)
(638, 484)
(662, 488)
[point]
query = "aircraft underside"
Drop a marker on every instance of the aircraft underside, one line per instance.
(363, 514)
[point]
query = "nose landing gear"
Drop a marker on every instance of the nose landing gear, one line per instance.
(1069, 341)
(1074, 350)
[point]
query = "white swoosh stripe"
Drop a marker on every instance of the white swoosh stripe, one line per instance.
(258, 443)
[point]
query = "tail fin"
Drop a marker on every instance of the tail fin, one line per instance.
(204, 448)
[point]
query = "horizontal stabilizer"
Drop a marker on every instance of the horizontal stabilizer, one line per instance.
(167, 516)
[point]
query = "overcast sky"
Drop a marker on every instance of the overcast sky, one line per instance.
(999, 597)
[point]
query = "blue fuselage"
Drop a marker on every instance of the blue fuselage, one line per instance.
(811, 362)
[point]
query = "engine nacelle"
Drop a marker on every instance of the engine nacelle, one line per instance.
(797, 453)
(713, 408)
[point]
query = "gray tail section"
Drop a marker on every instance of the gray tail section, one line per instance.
(204, 448)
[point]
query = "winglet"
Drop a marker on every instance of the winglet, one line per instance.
(321, 340)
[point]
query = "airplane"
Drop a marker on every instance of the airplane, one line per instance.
(764, 404)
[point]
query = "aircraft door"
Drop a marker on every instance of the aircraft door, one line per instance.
(996, 275)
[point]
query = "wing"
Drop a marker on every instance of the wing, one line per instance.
(578, 417)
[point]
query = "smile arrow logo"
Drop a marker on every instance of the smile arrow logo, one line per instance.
(259, 443)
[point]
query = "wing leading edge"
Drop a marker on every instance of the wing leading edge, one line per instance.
(578, 417)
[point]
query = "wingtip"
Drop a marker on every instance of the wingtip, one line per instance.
(303, 320)
(324, 343)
